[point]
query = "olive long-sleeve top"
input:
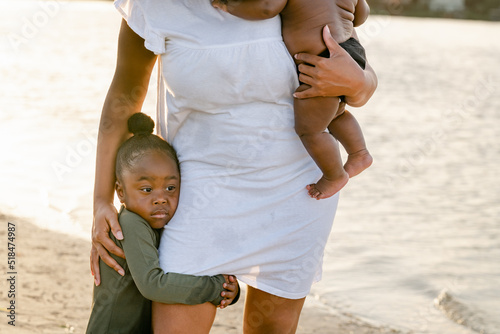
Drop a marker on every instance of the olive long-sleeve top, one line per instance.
(122, 304)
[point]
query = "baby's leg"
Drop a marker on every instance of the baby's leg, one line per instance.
(312, 117)
(348, 132)
(251, 9)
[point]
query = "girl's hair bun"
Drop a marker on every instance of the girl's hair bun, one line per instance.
(140, 124)
(143, 141)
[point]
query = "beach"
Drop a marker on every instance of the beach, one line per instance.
(416, 239)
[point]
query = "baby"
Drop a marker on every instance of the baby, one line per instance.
(302, 24)
(148, 181)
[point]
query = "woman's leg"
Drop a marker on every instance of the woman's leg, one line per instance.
(269, 314)
(183, 319)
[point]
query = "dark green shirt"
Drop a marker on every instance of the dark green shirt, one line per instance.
(122, 304)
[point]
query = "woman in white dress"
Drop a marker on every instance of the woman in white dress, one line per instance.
(244, 208)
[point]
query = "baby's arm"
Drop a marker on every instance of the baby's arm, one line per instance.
(361, 12)
(251, 9)
(170, 288)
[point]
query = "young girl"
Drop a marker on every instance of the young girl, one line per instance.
(148, 180)
(302, 22)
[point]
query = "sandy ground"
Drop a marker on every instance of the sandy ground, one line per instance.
(54, 290)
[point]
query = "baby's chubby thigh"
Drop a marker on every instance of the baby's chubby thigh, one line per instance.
(302, 26)
(303, 39)
(313, 115)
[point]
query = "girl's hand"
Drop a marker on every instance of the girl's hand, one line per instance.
(232, 292)
(105, 219)
(338, 75)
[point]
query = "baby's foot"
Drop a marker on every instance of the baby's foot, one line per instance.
(358, 162)
(221, 4)
(325, 188)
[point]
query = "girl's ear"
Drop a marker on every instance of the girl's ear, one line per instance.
(119, 191)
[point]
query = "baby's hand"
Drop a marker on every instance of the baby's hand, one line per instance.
(221, 4)
(232, 291)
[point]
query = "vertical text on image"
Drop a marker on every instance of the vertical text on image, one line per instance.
(11, 273)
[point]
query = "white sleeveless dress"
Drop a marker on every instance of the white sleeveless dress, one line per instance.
(243, 208)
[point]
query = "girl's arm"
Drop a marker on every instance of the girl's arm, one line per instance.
(338, 75)
(125, 97)
(139, 246)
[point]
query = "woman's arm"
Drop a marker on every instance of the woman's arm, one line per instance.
(125, 97)
(338, 75)
(369, 84)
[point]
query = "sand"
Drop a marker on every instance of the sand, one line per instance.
(54, 290)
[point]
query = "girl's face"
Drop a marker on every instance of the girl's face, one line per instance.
(151, 188)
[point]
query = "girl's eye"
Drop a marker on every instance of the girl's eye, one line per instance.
(147, 190)
(171, 188)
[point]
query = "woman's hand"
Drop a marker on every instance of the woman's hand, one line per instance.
(232, 291)
(105, 218)
(338, 75)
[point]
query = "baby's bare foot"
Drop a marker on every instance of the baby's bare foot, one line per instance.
(325, 188)
(221, 4)
(358, 162)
